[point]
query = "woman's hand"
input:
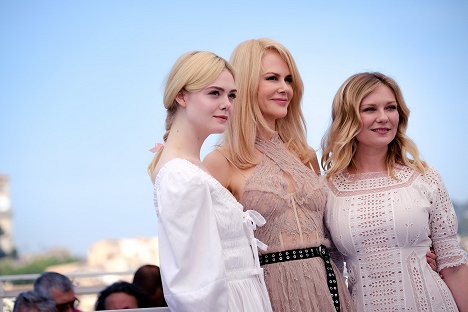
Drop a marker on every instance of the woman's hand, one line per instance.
(431, 259)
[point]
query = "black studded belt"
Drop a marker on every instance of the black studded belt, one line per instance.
(311, 252)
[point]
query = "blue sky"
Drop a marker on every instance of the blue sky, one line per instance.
(81, 93)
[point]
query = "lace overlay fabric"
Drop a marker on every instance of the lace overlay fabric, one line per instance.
(383, 227)
(292, 199)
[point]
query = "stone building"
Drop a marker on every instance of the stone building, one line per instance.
(6, 237)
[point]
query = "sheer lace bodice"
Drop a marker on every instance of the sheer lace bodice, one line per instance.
(292, 199)
(281, 188)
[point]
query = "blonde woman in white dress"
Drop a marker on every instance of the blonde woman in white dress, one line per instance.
(386, 207)
(208, 254)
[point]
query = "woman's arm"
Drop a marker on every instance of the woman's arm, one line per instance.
(191, 260)
(456, 279)
(451, 258)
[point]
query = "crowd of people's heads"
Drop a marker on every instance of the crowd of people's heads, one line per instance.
(53, 291)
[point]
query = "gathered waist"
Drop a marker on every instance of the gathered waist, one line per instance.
(244, 274)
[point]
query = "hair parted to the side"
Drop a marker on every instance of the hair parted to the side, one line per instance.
(339, 142)
(192, 72)
(247, 117)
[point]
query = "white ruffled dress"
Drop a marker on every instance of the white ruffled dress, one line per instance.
(208, 254)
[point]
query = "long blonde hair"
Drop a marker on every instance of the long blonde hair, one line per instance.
(339, 143)
(192, 72)
(247, 118)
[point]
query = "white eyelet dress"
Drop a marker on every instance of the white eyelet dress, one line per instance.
(384, 226)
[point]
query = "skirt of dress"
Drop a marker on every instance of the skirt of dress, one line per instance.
(249, 294)
(301, 286)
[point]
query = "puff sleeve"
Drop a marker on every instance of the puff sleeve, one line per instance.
(191, 259)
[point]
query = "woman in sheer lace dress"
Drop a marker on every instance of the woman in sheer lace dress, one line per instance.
(266, 163)
(386, 206)
(208, 255)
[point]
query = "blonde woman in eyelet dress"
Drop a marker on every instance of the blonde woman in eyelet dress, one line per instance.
(266, 163)
(384, 209)
(208, 254)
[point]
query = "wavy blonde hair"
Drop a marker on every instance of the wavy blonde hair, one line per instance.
(192, 72)
(247, 118)
(339, 143)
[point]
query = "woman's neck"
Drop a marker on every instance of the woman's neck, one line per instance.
(370, 160)
(184, 141)
(265, 134)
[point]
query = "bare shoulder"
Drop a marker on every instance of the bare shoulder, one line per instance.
(218, 166)
(216, 159)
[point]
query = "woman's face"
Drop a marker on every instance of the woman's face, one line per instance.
(275, 88)
(380, 118)
(209, 109)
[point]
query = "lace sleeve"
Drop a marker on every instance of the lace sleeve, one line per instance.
(444, 225)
